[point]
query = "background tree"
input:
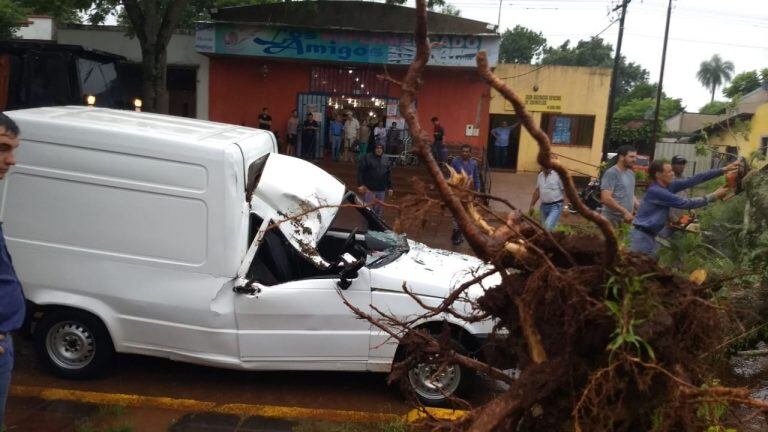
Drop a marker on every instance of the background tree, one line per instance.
(714, 72)
(633, 121)
(11, 17)
(742, 84)
(153, 22)
(431, 4)
(714, 107)
(595, 52)
(63, 11)
(521, 45)
(450, 9)
(764, 76)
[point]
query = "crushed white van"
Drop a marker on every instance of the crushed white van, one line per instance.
(195, 241)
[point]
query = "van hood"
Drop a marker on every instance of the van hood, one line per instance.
(302, 198)
(432, 272)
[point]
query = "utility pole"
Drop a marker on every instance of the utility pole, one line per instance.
(655, 126)
(614, 77)
(498, 21)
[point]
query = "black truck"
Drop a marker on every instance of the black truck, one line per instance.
(40, 73)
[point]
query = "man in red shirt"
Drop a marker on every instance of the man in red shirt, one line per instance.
(439, 132)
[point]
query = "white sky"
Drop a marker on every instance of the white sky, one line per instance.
(735, 29)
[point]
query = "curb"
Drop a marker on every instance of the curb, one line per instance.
(268, 411)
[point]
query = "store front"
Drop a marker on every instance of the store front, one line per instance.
(326, 71)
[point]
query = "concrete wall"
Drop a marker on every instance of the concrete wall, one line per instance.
(582, 91)
(37, 28)
(181, 51)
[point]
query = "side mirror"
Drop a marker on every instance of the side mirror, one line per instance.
(349, 271)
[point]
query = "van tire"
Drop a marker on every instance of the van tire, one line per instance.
(456, 379)
(73, 344)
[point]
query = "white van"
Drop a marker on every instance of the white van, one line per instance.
(195, 241)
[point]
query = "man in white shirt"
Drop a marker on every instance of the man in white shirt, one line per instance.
(550, 189)
(351, 135)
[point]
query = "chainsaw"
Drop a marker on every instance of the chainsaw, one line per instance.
(734, 179)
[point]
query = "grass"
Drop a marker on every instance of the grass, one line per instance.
(105, 420)
(393, 426)
(111, 410)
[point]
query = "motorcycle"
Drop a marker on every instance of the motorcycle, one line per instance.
(590, 196)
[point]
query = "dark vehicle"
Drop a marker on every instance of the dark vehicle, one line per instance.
(38, 73)
(590, 196)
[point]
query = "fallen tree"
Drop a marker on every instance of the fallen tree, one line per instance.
(604, 339)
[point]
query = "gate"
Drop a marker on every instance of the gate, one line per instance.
(317, 105)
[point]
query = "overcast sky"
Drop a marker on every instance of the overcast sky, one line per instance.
(735, 29)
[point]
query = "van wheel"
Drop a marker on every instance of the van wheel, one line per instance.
(434, 386)
(73, 344)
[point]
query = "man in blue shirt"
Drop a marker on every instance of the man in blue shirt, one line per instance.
(337, 128)
(501, 144)
(12, 303)
(468, 166)
(653, 213)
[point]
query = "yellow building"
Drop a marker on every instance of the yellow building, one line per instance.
(744, 132)
(569, 103)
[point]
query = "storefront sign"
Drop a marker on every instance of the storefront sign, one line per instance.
(541, 103)
(339, 46)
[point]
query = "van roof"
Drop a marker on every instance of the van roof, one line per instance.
(108, 121)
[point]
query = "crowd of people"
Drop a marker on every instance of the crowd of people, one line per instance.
(653, 215)
(365, 143)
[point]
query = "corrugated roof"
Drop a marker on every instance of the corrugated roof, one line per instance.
(349, 15)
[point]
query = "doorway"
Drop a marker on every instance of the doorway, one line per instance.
(499, 159)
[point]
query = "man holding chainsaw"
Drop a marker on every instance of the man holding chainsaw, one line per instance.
(660, 197)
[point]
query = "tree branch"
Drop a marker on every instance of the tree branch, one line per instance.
(136, 17)
(171, 18)
(545, 159)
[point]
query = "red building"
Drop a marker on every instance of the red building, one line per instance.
(325, 58)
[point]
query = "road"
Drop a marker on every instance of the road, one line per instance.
(131, 374)
(148, 376)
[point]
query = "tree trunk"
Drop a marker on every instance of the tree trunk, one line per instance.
(713, 94)
(154, 72)
(154, 22)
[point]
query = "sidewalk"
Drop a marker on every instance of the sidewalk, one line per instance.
(54, 410)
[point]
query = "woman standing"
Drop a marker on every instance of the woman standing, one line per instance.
(292, 128)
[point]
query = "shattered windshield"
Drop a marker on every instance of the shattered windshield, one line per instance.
(384, 247)
(374, 238)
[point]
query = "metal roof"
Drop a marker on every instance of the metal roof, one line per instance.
(349, 15)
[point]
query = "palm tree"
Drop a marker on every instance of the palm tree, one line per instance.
(714, 72)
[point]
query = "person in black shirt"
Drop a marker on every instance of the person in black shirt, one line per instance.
(309, 137)
(441, 153)
(374, 178)
(265, 120)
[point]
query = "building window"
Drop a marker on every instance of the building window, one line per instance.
(573, 130)
(350, 81)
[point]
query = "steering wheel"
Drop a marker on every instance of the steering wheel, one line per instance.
(349, 241)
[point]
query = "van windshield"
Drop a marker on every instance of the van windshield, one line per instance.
(381, 244)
